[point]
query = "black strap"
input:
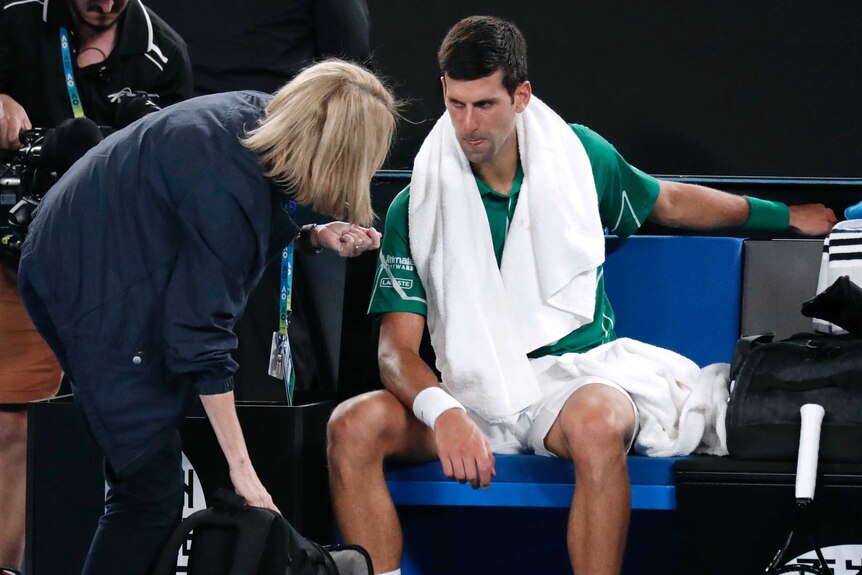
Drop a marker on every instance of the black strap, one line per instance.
(222, 497)
(252, 525)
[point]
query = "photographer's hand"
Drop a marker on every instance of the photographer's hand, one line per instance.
(13, 120)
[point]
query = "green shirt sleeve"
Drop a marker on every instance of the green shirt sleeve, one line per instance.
(397, 286)
(626, 194)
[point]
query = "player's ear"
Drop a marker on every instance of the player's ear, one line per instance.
(522, 95)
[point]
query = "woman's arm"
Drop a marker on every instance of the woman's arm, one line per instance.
(221, 411)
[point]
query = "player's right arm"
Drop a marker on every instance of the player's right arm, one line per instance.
(462, 448)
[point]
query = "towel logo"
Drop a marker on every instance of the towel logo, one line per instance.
(402, 283)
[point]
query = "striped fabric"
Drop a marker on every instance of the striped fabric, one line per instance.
(842, 256)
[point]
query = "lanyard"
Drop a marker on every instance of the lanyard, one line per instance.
(284, 309)
(71, 86)
(286, 293)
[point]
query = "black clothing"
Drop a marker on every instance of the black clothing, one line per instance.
(149, 56)
(141, 258)
(261, 44)
(141, 511)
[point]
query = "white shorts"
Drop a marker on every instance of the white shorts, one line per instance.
(527, 433)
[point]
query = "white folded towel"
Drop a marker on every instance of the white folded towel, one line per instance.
(681, 407)
(484, 320)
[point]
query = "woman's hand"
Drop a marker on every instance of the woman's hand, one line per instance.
(347, 240)
(248, 486)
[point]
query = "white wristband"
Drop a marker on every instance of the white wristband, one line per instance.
(431, 402)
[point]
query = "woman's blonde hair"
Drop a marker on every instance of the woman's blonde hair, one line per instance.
(324, 134)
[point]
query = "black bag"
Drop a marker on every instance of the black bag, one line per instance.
(231, 538)
(840, 303)
(771, 380)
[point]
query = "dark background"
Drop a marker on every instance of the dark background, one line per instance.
(722, 90)
(733, 88)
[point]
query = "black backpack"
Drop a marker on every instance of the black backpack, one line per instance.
(231, 538)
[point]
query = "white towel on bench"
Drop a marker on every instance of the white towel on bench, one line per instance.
(681, 407)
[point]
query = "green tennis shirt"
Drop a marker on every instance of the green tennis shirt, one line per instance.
(625, 194)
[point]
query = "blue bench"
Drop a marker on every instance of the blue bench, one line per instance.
(526, 481)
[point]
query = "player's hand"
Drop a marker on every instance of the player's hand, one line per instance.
(13, 120)
(463, 449)
(812, 219)
(347, 240)
(248, 486)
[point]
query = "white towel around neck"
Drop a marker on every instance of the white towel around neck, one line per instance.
(484, 319)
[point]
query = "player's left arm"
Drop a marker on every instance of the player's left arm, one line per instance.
(692, 206)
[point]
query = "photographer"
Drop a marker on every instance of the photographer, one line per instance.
(78, 61)
(62, 59)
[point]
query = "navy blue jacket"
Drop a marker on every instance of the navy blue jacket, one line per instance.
(143, 255)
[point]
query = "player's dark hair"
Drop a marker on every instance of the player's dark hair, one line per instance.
(478, 46)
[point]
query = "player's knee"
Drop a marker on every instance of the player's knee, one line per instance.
(595, 430)
(357, 429)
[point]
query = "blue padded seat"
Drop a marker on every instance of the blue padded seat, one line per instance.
(678, 292)
(526, 481)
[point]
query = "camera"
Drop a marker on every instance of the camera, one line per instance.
(24, 180)
(132, 105)
(27, 174)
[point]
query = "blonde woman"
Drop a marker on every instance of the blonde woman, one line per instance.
(141, 258)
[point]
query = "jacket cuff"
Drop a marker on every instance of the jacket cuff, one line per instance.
(214, 386)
